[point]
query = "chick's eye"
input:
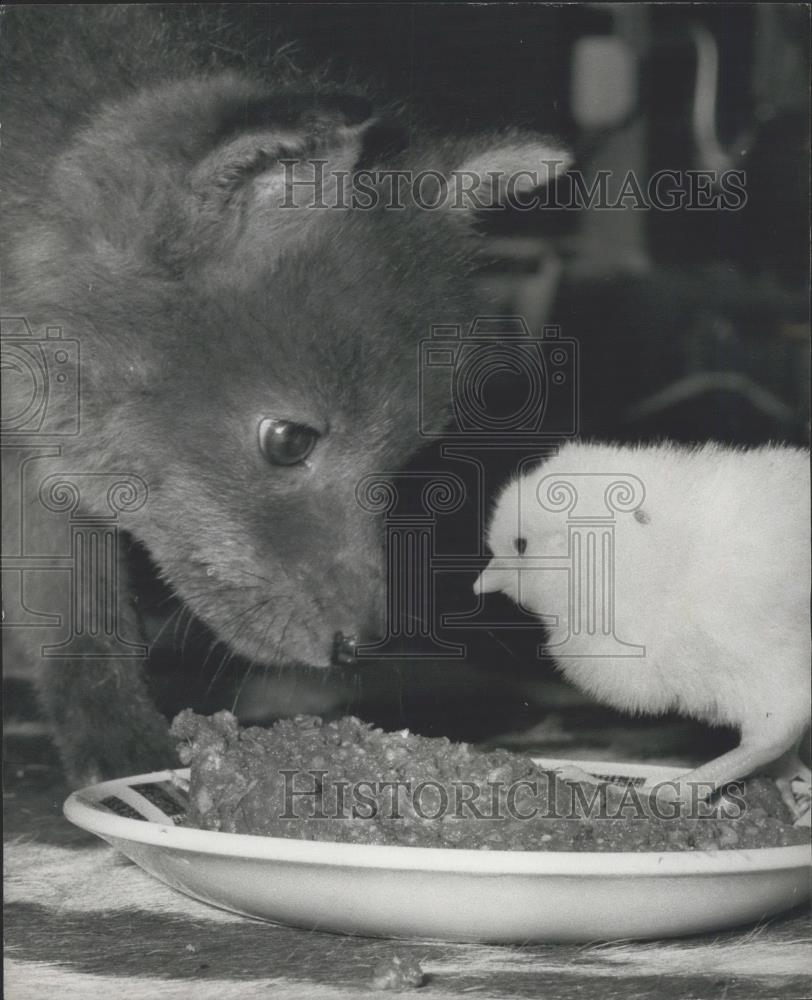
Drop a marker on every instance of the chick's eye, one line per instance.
(283, 442)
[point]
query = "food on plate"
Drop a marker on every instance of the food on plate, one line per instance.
(347, 781)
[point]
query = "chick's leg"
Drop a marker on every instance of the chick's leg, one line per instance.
(794, 781)
(774, 757)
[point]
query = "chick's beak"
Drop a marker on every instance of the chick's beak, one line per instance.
(494, 578)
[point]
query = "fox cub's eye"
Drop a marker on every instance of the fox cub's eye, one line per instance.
(283, 442)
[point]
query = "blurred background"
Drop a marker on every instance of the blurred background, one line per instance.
(690, 325)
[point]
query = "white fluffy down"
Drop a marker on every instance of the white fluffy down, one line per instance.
(712, 577)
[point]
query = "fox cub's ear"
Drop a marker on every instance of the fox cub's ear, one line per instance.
(493, 170)
(269, 155)
(252, 138)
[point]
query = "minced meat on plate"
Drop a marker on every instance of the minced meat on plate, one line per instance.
(347, 781)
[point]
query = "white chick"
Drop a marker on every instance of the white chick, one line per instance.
(711, 577)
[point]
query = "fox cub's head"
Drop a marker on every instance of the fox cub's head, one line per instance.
(249, 309)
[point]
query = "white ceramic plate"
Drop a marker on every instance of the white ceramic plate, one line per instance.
(439, 893)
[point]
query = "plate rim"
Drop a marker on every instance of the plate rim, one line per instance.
(80, 810)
